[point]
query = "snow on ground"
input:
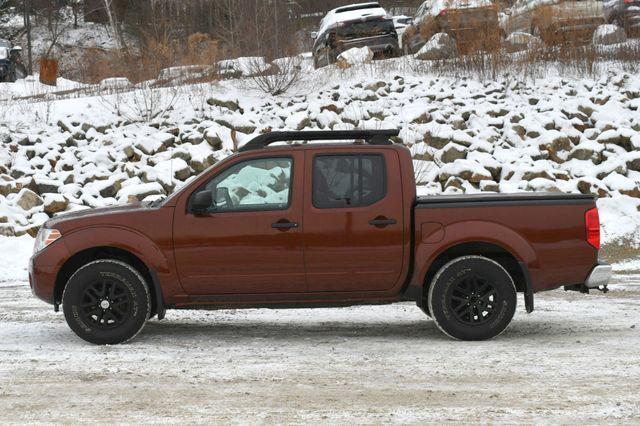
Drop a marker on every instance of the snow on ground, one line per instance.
(14, 258)
(574, 360)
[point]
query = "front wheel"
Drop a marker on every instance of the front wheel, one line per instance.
(106, 302)
(472, 298)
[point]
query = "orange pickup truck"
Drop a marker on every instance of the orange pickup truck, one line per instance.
(315, 225)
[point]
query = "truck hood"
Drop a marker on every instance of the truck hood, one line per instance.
(75, 219)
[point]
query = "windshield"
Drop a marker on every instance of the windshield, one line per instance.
(4, 53)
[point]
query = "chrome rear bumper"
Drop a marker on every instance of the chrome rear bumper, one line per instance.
(599, 276)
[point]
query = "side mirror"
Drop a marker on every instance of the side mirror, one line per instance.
(202, 201)
(314, 35)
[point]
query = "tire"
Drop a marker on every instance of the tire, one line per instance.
(20, 72)
(480, 280)
(106, 302)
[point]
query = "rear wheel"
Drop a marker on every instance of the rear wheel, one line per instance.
(106, 302)
(472, 298)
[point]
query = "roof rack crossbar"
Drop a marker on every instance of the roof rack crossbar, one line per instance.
(373, 137)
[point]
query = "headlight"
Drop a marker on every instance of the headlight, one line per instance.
(45, 237)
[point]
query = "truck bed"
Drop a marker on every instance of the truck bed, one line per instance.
(544, 231)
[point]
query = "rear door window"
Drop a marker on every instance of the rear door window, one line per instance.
(341, 181)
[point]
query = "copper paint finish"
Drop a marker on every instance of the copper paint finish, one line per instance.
(335, 256)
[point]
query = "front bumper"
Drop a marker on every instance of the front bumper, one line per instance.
(599, 276)
(43, 271)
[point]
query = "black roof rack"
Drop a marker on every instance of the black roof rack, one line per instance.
(373, 137)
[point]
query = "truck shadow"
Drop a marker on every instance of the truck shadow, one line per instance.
(289, 330)
(425, 330)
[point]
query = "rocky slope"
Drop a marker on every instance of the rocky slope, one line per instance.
(552, 134)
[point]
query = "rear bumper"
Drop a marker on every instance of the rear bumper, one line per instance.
(599, 276)
(585, 27)
(380, 44)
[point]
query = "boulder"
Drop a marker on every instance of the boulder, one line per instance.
(27, 199)
(110, 188)
(435, 141)
(149, 146)
(440, 46)
(615, 137)
(489, 186)
(134, 193)
(519, 41)
(531, 175)
(54, 203)
(354, 56)
(609, 34)
(585, 186)
(453, 152)
(202, 163)
(230, 105)
(8, 185)
(43, 185)
(213, 139)
(582, 154)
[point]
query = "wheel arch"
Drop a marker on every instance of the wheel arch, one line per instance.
(83, 257)
(490, 250)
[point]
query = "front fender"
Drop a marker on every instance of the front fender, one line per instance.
(122, 238)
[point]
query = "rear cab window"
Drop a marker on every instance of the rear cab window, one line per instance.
(350, 180)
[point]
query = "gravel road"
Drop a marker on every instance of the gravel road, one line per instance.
(576, 359)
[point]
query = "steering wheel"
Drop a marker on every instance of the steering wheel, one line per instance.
(227, 198)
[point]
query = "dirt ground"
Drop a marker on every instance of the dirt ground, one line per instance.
(576, 359)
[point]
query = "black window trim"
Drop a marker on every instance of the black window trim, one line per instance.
(250, 208)
(346, 154)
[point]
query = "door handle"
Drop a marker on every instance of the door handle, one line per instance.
(382, 222)
(284, 225)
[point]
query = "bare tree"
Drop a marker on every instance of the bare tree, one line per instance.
(113, 22)
(56, 26)
(76, 6)
(278, 79)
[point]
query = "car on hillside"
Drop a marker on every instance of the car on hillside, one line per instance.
(556, 21)
(11, 67)
(625, 14)
(357, 25)
(316, 225)
(472, 23)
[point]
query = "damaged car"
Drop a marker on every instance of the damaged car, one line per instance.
(357, 25)
(472, 23)
(556, 21)
(11, 67)
(625, 14)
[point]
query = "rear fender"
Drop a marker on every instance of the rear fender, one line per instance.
(473, 231)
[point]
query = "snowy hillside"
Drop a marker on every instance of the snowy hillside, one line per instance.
(552, 134)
